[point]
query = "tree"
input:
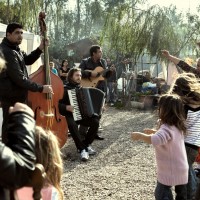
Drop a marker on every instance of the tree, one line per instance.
(122, 28)
(134, 31)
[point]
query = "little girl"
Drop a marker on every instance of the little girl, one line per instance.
(48, 154)
(168, 141)
(187, 86)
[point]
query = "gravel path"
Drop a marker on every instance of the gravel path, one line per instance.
(122, 169)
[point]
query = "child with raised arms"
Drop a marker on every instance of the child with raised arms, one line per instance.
(168, 141)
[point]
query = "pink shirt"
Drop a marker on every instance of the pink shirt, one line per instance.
(48, 193)
(171, 158)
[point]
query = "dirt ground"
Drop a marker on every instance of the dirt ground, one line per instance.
(122, 169)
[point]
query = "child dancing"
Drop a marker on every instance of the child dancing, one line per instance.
(168, 141)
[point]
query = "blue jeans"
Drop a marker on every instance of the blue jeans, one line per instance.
(111, 91)
(192, 179)
(164, 192)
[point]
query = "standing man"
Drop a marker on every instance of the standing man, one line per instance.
(112, 86)
(82, 144)
(109, 62)
(14, 81)
(90, 63)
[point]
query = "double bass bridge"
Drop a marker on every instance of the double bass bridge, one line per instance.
(43, 114)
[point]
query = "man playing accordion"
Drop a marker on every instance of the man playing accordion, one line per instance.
(68, 110)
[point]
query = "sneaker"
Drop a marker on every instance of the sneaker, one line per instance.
(97, 137)
(91, 151)
(84, 155)
(100, 129)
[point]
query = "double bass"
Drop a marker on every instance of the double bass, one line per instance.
(45, 106)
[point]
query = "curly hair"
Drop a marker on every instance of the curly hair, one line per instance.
(187, 86)
(62, 64)
(71, 73)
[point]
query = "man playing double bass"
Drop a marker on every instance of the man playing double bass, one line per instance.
(14, 80)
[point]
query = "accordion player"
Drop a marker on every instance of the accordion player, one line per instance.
(87, 102)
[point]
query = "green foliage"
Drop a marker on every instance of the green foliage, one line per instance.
(119, 105)
(134, 32)
(122, 27)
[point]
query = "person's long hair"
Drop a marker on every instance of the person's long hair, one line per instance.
(62, 64)
(48, 154)
(71, 73)
(187, 86)
(171, 111)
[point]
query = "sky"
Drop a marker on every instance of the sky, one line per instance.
(182, 5)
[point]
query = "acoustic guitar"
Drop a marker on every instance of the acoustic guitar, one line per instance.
(93, 81)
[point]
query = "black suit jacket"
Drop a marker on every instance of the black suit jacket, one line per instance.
(14, 80)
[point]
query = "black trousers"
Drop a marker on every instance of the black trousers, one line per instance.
(92, 124)
(83, 129)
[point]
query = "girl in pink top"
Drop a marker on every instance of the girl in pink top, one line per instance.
(168, 141)
(48, 154)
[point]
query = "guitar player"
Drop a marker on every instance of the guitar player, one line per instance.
(88, 66)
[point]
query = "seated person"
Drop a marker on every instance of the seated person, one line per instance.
(63, 71)
(83, 145)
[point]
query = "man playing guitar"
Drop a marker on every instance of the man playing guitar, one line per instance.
(88, 66)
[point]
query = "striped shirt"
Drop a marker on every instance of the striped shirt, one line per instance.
(193, 126)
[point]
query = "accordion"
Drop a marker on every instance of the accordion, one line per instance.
(87, 102)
